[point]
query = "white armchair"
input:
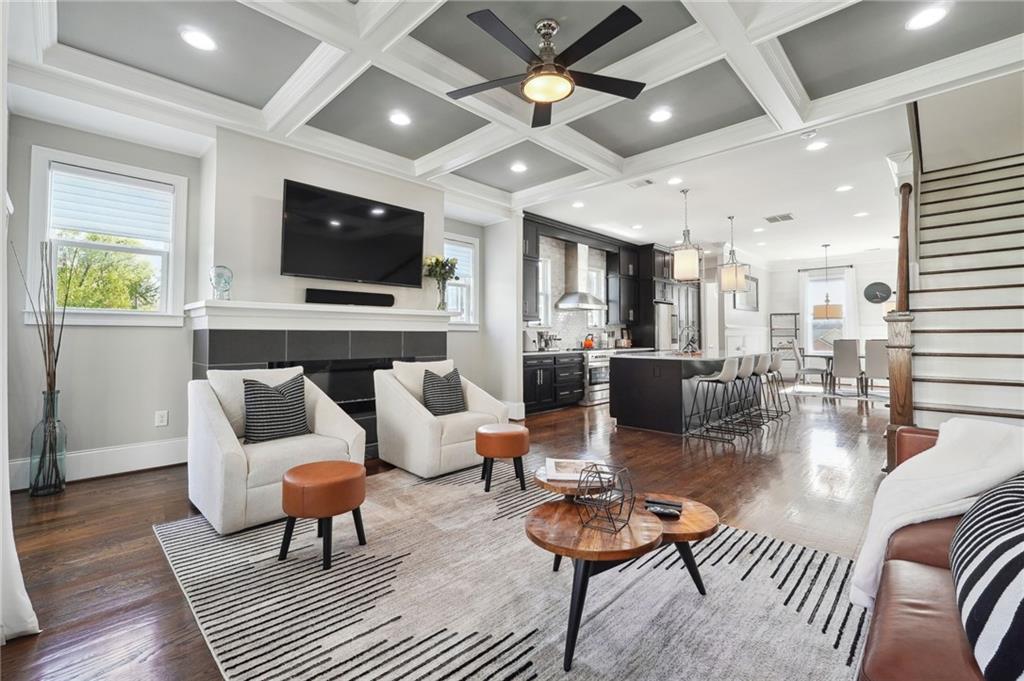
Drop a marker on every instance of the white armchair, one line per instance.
(237, 485)
(410, 437)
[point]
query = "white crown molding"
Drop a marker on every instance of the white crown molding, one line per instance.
(44, 25)
(350, 151)
(478, 144)
(901, 165)
(772, 19)
(556, 188)
(319, 65)
(478, 191)
(749, 63)
(316, 19)
(238, 314)
(333, 81)
(982, 63)
(579, 149)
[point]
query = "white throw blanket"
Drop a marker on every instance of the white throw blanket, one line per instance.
(970, 457)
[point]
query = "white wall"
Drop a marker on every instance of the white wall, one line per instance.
(111, 379)
(503, 311)
(747, 331)
(247, 236)
(468, 347)
(869, 267)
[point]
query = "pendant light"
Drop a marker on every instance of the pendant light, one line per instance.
(828, 310)
(686, 257)
(733, 274)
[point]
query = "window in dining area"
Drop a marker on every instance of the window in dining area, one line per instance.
(826, 322)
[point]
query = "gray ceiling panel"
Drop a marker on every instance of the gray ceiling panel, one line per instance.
(449, 32)
(541, 166)
(701, 101)
(255, 54)
(360, 112)
(867, 41)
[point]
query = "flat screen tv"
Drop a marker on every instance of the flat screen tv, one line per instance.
(330, 235)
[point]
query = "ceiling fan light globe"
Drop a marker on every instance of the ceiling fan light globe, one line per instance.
(545, 87)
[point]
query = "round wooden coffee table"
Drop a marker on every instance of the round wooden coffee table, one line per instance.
(556, 526)
(696, 522)
(567, 488)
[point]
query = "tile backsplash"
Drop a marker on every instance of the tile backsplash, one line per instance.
(569, 325)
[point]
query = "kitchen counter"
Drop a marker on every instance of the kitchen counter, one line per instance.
(576, 351)
(676, 356)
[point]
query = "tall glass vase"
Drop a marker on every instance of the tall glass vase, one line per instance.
(442, 299)
(49, 449)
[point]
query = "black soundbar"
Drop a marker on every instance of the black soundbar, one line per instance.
(329, 297)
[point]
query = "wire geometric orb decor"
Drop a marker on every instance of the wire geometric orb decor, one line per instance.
(609, 507)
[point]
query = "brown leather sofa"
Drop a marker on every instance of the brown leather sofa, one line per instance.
(915, 632)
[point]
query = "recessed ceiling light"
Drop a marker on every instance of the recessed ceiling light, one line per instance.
(335, 223)
(675, 180)
(578, 204)
(399, 118)
(862, 214)
(376, 210)
(660, 115)
(925, 18)
(638, 226)
(679, 241)
(759, 229)
(808, 135)
(197, 39)
(761, 243)
(518, 167)
(817, 146)
(844, 187)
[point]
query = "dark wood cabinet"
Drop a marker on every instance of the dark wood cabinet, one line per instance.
(626, 262)
(552, 381)
(531, 309)
(531, 240)
(622, 300)
(654, 263)
(539, 388)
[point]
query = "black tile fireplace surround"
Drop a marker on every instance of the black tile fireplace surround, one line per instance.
(341, 363)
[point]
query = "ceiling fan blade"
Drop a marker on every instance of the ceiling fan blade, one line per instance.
(480, 87)
(614, 25)
(541, 115)
(619, 87)
(489, 21)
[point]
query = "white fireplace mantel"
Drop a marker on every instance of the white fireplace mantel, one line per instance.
(239, 314)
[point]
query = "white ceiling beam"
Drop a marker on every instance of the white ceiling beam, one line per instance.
(350, 151)
(478, 144)
(293, 98)
(557, 188)
(772, 19)
(44, 28)
(319, 20)
(722, 22)
(580, 149)
(335, 78)
(982, 63)
(481, 193)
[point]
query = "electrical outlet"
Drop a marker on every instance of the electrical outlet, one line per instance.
(160, 418)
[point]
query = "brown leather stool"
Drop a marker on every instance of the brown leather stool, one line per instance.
(322, 490)
(502, 441)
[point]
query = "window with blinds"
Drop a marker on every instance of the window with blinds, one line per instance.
(462, 294)
(113, 236)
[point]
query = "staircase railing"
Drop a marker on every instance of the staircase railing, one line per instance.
(900, 344)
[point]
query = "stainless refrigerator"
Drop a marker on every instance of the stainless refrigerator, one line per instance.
(664, 313)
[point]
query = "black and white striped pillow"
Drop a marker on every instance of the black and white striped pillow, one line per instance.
(443, 394)
(273, 412)
(987, 560)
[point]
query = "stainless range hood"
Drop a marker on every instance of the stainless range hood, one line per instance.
(577, 259)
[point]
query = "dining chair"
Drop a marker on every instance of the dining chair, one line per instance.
(846, 363)
(876, 362)
(802, 371)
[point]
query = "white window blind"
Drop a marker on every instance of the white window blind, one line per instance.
(83, 200)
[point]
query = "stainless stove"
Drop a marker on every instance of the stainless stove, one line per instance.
(596, 373)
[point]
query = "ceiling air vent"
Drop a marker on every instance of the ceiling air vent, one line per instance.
(646, 182)
(781, 217)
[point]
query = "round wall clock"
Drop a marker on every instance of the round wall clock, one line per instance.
(877, 292)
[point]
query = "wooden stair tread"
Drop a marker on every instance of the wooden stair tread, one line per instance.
(972, 269)
(968, 355)
(970, 411)
(967, 331)
(965, 238)
(970, 184)
(972, 196)
(950, 289)
(964, 210)
(969, 381)
(970, 222)
(925, 178)
(1001, 249)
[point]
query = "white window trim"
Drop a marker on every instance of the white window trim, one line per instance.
(474, 243)
(174, 275)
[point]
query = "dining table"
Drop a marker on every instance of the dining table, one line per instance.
(827, 356)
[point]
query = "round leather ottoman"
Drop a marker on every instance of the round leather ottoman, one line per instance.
(322, 490)
(502, 441)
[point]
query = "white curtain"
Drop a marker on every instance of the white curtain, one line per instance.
(16, 614)
(851, 304)
(805, 339)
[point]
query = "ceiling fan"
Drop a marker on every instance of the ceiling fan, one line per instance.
(548, 77)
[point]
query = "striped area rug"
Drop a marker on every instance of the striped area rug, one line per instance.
(449, 587)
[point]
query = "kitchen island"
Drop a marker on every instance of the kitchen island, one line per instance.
(655, 390)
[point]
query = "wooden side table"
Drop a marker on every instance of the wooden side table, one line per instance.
(569, 489)
(555, 526)
(696, 522)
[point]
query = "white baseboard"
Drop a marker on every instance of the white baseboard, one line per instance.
(516, 410)
(93, 463)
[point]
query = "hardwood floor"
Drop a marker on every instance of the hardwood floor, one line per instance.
(110, 607)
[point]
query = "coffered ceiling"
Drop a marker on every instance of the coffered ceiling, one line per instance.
(326, 76)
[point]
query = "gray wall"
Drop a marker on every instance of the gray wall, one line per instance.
(467, 347)
(111, 379)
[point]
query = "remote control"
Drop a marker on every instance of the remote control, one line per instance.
(663, 511)
(664, 502)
